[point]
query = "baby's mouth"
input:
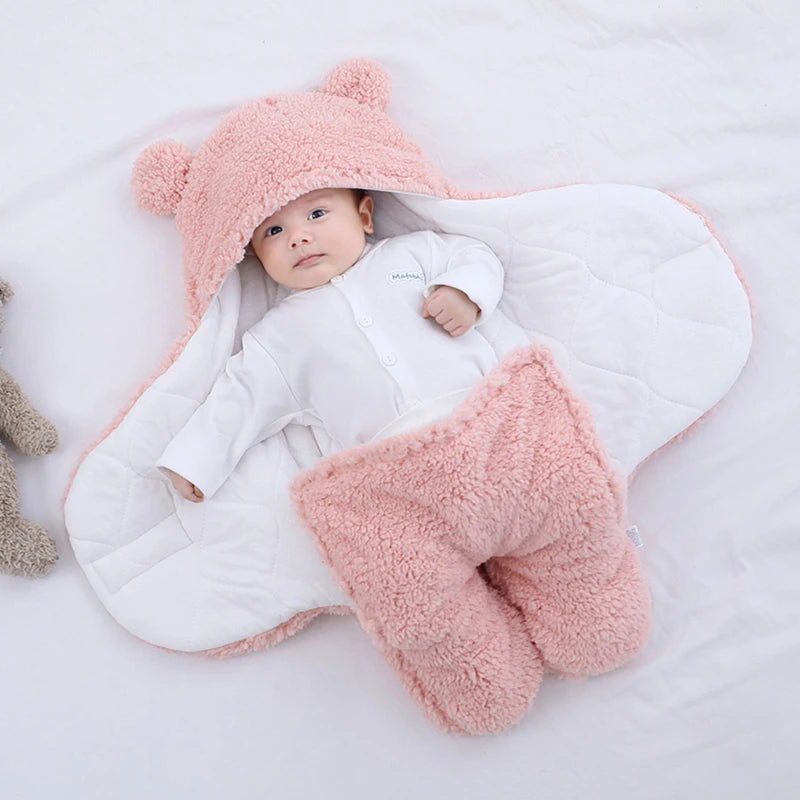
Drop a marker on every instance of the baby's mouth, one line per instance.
(308, 260)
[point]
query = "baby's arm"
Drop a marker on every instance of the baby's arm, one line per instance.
(464, 282)
(248, 402)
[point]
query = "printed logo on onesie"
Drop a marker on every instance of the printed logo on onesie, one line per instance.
(405, 276)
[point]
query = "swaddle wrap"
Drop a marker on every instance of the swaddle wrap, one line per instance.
(638, 302)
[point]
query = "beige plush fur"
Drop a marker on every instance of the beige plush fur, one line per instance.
(25, 548)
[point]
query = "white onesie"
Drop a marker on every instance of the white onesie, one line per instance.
(351, 356)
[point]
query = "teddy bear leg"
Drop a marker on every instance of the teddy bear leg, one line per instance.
(25, 549)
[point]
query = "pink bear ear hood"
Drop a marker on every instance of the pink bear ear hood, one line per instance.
(159, 176)
(270, 151)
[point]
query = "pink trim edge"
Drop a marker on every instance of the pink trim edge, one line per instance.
(268, 638)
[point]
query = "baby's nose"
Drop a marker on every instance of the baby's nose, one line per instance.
(299, 237)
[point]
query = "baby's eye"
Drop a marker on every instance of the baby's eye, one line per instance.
(317, 213)
(273, 230)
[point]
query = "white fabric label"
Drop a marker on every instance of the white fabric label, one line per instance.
(635, 536)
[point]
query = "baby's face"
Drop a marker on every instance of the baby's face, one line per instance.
(313, 238)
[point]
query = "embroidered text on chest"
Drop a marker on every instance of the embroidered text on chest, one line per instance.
(405, 276)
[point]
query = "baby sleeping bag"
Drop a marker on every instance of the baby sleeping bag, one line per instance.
(620, 310)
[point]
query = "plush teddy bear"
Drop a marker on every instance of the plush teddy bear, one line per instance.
(25, 548)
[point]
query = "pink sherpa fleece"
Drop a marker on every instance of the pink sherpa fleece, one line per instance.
(515, 479)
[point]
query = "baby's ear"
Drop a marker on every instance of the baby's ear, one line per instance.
(361, 80)
(159, 176)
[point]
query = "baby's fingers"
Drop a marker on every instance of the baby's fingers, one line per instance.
(435, 303)
(188, 491)
(455, 328)
(192, 493)
(445, 318)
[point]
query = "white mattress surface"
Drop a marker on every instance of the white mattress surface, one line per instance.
(697, 100)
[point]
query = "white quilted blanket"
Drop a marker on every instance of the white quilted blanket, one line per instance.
(638, 301)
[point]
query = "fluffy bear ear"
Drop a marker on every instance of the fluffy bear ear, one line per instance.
(362, 80)
(159, 176)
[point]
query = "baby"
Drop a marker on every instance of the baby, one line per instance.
(371, 330)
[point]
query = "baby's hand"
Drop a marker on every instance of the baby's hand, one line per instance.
(451, 309)
(187, 490)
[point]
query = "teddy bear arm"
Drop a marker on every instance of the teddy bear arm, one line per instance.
(25, 428)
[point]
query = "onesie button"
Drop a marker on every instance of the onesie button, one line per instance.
(337, 278)
(389, 359)
(365, 322)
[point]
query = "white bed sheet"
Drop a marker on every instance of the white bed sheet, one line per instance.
(700, 100)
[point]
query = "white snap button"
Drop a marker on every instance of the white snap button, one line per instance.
(365, 322)
(389, 359)
(337, 278)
